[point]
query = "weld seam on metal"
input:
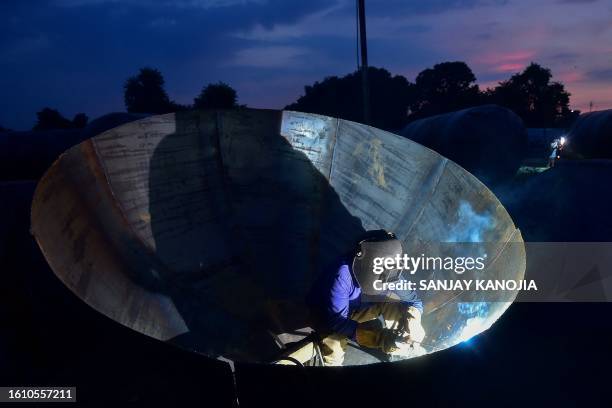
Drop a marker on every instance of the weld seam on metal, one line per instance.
(490, 264)
(216, 139)
(115, 201)
(333, 157)
(431, 193)
(100, 163)
(503, 248)
(444, 303)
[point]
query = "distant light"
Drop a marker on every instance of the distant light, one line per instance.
(563, 140)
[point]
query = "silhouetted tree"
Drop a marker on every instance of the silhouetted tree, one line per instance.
(216, 96)
(390, 97)
(51, 119)
(80, 120)
(145, 93)
(532, 95)
(447, 87)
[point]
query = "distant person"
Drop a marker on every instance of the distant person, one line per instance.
(341, 313)
(556, 146)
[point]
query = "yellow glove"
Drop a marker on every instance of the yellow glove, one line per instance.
(371, 334)
(413, 328)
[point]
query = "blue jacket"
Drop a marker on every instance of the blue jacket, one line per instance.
(337, 294)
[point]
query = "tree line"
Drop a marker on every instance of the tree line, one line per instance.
(394, 101)
(446, 87)
(145, 93)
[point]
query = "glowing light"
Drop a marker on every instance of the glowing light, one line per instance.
(470, 226)
(473, 326)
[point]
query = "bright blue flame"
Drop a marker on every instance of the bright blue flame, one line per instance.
(470, 227)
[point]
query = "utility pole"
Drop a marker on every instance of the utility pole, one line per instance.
(364, 61)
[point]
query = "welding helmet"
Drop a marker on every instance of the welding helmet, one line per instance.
(376, 244)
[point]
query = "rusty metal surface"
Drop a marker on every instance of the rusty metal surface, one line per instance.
(207, 229)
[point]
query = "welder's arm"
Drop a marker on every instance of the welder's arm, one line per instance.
(338, 323)
(337, 308)
(373, 335)
(412, 321)
(411, 299)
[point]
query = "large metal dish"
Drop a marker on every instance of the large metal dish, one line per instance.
(207, 229)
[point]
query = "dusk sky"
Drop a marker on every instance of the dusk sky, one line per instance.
(75, 55)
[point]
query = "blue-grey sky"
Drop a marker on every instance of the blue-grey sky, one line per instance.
(74, 55)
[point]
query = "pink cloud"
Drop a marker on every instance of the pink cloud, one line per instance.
(504, 62)
(570, 77)
(510, 67)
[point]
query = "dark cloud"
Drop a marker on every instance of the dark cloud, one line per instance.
(75, 54)
(564, 56)
(576, 1)
(600, 74)
(411, 7)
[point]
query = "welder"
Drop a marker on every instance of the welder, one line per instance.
(345, 305)
(555, 149)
